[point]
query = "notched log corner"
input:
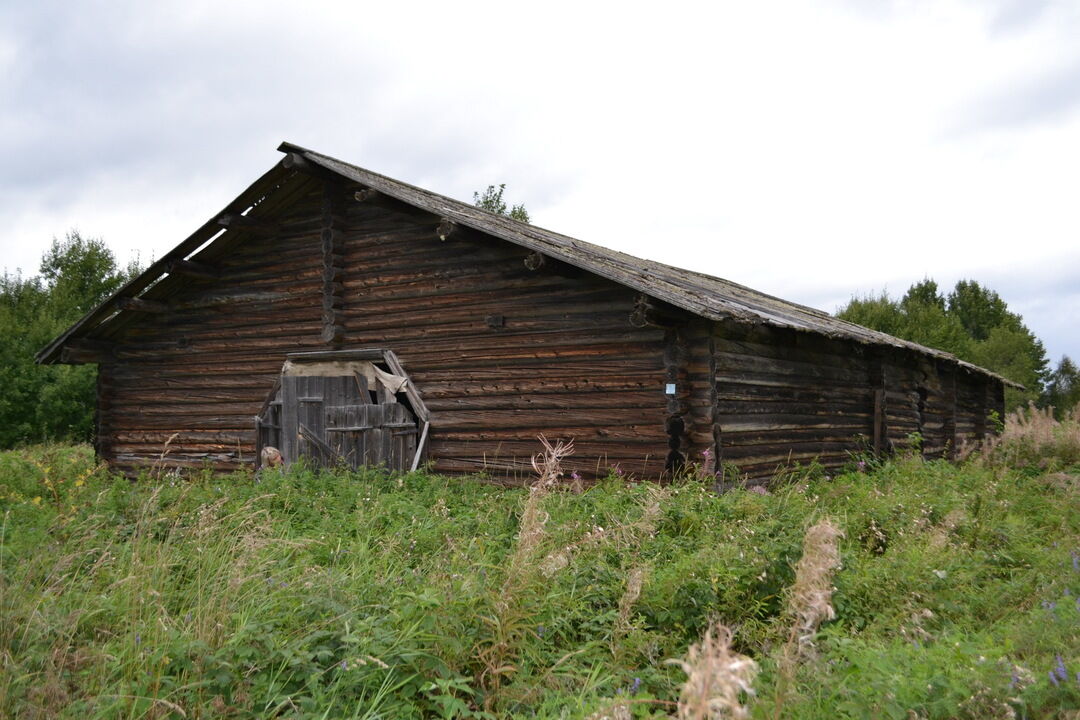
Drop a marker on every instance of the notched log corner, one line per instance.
(446, 229)
(535, 260)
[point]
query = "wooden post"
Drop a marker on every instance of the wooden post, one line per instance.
(879, 384)
(677, 392)
(948, 389)
(333, 331)
(714, 412)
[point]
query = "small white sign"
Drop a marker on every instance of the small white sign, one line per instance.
(670, 390)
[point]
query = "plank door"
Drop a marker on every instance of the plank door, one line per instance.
(338, 420)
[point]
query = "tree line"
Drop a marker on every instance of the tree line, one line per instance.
(52, 402)
(974, 323)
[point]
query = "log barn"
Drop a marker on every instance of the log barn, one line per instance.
(344, 316)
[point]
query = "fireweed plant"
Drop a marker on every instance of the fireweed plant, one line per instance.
(951, 593)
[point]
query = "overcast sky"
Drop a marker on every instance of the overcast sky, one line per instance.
(813, 151)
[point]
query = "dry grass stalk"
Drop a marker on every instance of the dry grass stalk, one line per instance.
(634, 582)
(626, 534)
(159, 465)
(810, 598)
(1032, 435)
(717, 678)
(548, 467)
(809, 601)
(508, 624)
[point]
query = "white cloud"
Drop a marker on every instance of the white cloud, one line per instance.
(811, 152)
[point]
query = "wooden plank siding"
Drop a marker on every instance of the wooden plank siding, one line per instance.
(499, 352)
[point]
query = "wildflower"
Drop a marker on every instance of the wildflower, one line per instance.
(540, 631)
(575, 475)
(138, 639)
(344, 665)
(862, 465)
(1059, 669)
(706, 453)
(1053, 679)
(1048, 605)
(636, 685)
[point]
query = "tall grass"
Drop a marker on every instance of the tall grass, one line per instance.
(308, 594)
(1032, 439)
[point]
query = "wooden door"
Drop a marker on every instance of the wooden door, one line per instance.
(338, 420)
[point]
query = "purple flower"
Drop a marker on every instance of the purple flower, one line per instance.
(1053, 678)
(138, 639)
(575, 475)
(862, 465)
(706, 453)
(636, 685)
(1076, 560)
(1015, 682)
(1049, 605)
(344, 665)
(1060, 670)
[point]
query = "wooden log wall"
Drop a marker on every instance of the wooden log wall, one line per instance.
(504, 347)
(500, 351)
(783, 397)
(182, 387)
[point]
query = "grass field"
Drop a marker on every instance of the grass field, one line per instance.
(342, 595)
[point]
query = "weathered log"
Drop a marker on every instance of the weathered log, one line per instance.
(446, 229)
(139, 305)
(535, 261)
(333, 334)
(191, 269)
(253, 224)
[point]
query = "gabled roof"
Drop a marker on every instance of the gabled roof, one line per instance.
(703, 295)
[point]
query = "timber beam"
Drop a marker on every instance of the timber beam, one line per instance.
(250, 224)
(191, 269)
(649, 312)
(296, 161)
(140, 305)
(87, 350)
